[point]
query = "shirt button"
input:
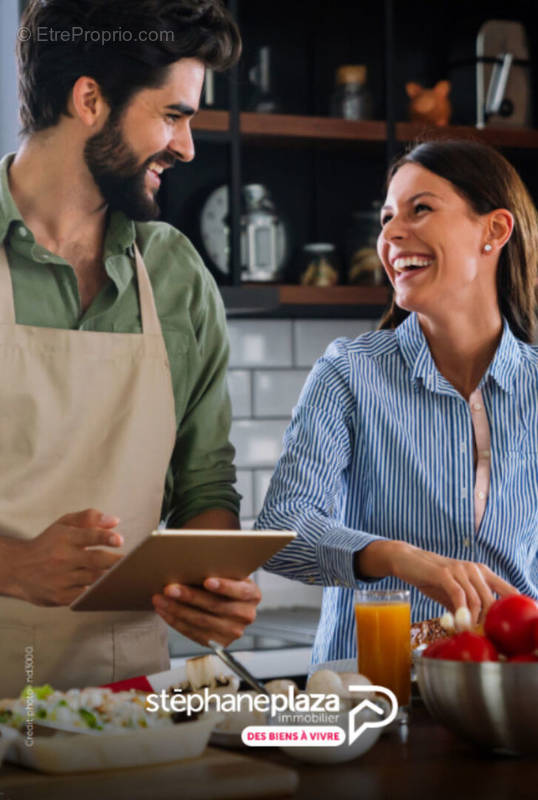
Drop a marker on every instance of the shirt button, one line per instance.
(477, 406)
(485, 453)
(466, 542)
(23, 231)
(462, 447)
(481, 495)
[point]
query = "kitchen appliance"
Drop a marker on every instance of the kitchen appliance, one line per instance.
(263, 233)
(489, 70)
(263, 100)
(503, 93)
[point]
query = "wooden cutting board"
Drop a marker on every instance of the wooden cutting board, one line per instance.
(216, 775)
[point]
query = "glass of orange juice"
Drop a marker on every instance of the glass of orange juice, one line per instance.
(384, 641)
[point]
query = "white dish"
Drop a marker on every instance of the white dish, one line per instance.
(66, 752)
(335, 755)
(5, 741)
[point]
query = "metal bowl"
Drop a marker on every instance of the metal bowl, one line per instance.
(493, 704)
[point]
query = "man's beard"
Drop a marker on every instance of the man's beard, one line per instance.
(118, 175)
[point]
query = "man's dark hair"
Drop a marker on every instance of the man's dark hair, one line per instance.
(124, 45)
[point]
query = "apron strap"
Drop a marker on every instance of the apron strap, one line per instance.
(7, 304)
(148, 311)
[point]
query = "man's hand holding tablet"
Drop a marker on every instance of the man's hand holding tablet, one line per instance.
(221, 610)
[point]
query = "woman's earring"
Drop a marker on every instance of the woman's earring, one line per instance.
(487, 248)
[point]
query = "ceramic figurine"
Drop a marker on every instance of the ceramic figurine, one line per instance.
(429, 105)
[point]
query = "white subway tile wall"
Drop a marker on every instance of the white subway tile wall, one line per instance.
(311, 336)
(257, 442)
(245, 488)
(260, 343)
(269, 363)
(262, 478)
(276, 391)
(240, 388)
(280, 592)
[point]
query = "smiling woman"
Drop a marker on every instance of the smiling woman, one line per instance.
(477, 190)
(411, 456)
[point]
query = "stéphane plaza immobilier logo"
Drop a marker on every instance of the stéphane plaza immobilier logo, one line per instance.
(293, 719)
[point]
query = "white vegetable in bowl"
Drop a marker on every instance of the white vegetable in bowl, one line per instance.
(325, 681)
(447, 622)
(206, 671)
(462, 619)
(355, 679)
(282, 686)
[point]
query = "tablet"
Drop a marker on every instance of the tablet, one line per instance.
(182, 556)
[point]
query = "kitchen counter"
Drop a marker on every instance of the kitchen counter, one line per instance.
(430, 762)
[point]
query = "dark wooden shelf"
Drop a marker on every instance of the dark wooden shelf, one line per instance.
(498, 137)
(289, 300)
(291, 294)
(290, 127)
(211, 121)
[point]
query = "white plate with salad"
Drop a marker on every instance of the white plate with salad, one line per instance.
(96, 729)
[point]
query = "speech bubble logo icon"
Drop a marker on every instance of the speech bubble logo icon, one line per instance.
(355, 732)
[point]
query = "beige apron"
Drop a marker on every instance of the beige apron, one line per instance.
(87, 420)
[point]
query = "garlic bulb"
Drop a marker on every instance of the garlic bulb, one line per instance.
(447, 622)
(462, 619)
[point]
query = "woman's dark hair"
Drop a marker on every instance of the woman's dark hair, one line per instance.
(486, 180)
(125, 45)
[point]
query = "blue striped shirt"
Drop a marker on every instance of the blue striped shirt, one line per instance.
(381, 446)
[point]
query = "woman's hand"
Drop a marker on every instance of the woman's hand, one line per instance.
(450, 582)
(220, 611)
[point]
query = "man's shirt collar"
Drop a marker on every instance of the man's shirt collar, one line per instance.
(8, 210)
(119, 235)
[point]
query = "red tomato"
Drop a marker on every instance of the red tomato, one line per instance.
(524, 657)
(464, 646)
(434, 648)
(469, 646)
(510, 624)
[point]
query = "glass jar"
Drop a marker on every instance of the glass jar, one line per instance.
(351, 98)
(319, 266)
(363, 264)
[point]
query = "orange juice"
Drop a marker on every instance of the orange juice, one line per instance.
(383, 640)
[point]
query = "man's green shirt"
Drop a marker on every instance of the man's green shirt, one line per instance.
(193, 322)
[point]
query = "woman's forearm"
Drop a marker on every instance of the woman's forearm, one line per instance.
(377, 560)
